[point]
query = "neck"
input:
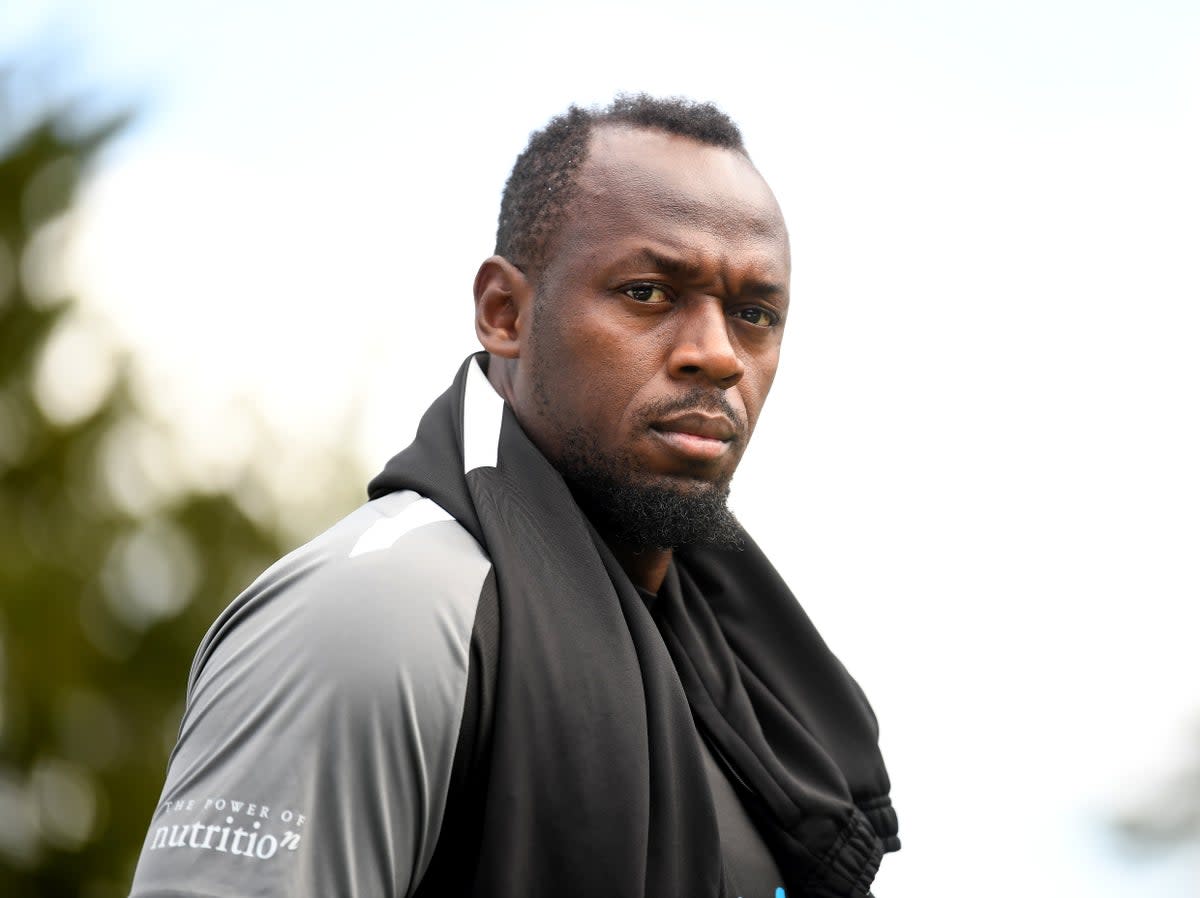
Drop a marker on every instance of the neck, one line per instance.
(646, 567)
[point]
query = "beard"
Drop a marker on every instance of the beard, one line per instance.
(643, 511)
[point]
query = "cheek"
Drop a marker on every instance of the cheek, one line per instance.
(589, 387)
(758, 382)
(608, 367)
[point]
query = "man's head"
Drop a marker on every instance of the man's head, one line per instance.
(634, 311)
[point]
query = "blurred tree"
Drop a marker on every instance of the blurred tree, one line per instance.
(109, 572)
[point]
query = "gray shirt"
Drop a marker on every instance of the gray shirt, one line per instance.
(322, 714)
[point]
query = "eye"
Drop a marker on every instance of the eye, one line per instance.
(757, 316)
(651, 294)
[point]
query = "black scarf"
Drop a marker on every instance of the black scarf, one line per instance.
(595, 785)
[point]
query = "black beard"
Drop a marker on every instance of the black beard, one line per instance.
(645, 514)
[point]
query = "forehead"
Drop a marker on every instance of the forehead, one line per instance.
(637, 176)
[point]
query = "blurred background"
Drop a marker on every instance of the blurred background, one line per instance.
(236, 248)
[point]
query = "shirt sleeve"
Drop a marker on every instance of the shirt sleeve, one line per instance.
(323, 711)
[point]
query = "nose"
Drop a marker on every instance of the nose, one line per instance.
(702, 345)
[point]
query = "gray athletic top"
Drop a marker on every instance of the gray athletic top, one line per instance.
(323, 712)
(322, 716)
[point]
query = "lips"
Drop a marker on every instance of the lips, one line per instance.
(713, 427)
(695, 435)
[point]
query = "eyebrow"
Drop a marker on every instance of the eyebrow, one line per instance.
(670, 265)
(682, 269)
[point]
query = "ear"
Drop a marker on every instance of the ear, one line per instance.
(502, 306)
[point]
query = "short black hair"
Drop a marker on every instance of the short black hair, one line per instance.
(542, 181)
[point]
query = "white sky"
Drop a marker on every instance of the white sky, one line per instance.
(978, 468)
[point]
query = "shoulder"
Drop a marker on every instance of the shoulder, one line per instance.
(395, 583)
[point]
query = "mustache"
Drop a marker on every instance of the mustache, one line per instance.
(695, 399)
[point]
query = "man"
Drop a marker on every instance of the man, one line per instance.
(545, 659)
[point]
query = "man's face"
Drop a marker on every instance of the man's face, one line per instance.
(656, 331)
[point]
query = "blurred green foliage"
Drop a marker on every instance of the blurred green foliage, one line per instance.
(107, 582)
